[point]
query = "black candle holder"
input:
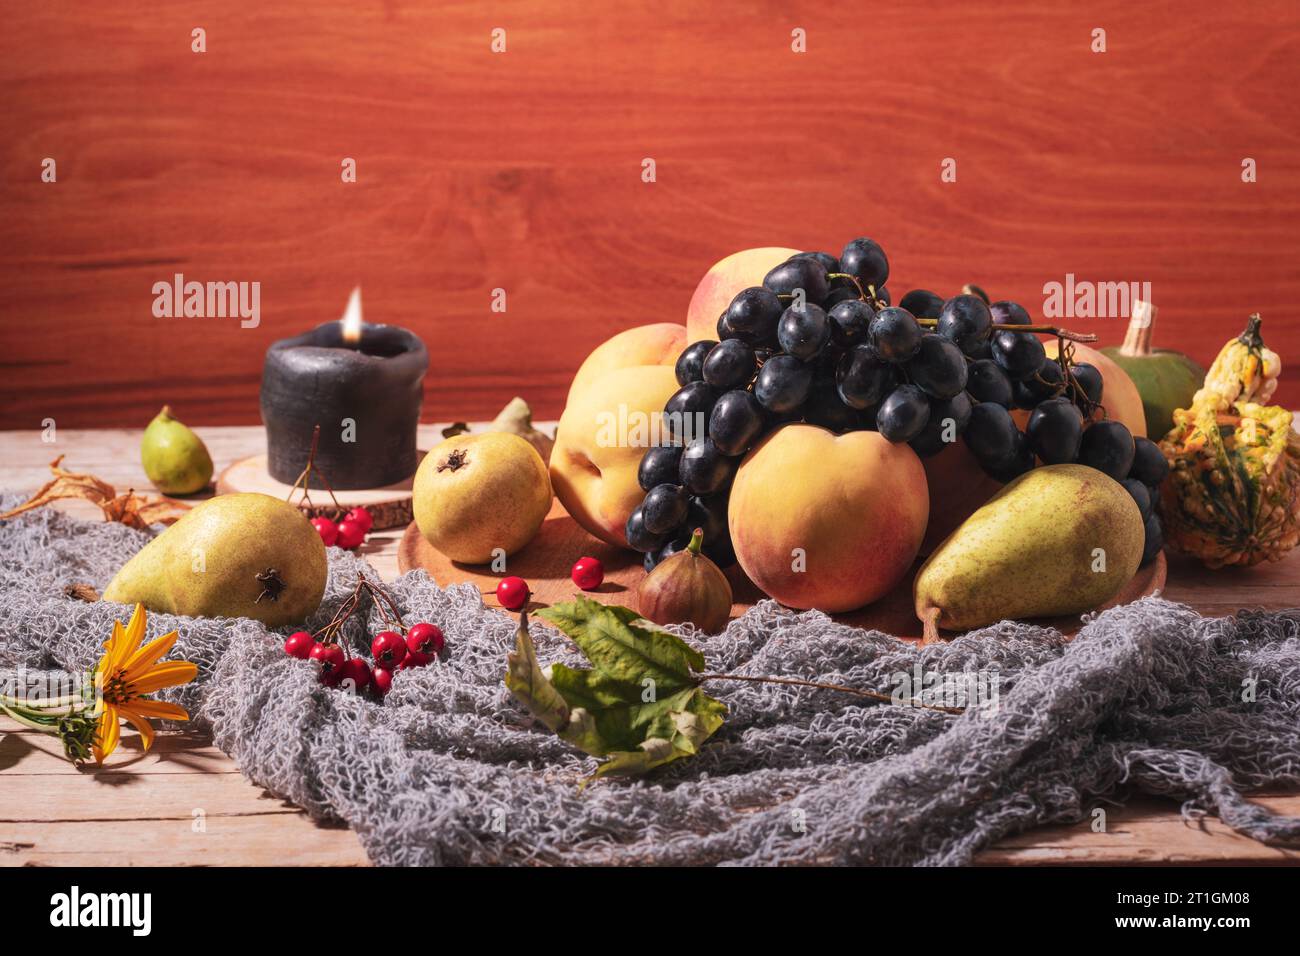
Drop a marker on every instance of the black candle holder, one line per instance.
(320, 378)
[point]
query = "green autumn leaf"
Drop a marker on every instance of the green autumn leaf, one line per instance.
(640, 706)
(620, 644)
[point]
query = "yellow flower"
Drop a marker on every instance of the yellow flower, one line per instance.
(126, 673)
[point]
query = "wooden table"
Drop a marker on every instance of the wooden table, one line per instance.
(185, 803)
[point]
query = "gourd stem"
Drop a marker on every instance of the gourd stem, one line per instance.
(1137, 339)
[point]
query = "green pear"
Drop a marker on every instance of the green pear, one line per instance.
(174, 458)
(241, 555)
(1060, 539)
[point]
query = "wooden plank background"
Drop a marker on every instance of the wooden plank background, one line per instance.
(522, 171)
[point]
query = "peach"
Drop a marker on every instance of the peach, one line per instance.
(740, 270)
(657, 344)
(825, 521)
(958, 488)
(602, 436)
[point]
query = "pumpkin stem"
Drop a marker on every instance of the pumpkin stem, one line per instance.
(1252, 338)
(1137, 340)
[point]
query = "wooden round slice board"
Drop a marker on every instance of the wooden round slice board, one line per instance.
(546, 562)
(389, 507)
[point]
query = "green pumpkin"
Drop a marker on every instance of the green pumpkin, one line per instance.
(1165, 379)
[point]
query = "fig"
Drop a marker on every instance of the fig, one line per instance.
(687, 588)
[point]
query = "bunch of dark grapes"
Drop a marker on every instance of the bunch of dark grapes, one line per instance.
(819, 342)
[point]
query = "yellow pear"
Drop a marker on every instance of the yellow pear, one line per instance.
(242, 555)
(475, 494)
(174, 458)
(1060, 539)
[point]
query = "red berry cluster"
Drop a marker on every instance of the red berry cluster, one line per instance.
(348, 533)
(389, 649)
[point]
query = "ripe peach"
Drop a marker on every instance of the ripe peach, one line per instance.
(657, 344)
(601, 438)
(740, 270)
(958, 488)
(825, 521)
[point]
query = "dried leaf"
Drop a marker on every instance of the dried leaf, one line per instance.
(127, 508)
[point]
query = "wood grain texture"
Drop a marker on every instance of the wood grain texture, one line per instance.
(522, 171)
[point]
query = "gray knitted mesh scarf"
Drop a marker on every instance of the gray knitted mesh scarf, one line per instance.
(449, 770)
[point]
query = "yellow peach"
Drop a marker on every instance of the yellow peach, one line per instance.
(657, 344)
(740, 270)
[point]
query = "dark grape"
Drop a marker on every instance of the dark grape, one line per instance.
(659, 466)
(1141, 495)
(965, 320)
(1009, 313)
(726, 332)
(863, 378)
(687, 411)
(755, 312)
(729, 364)
(783, 383)
(970, 288)
(850, 322)
(664, 508)
(923, 303)
(1054, 431)
(986, 382)
(1155, 540)
(709, 514)
(1089, 379)
(956, 409)
(883, 297)
(1047, 381)
(1020, 461)
(704, 469)
(736, 422)
(1149, 464)
(939, 368)
(903, 414)
(930, 440)
(841, 290)
(690, 363)
(991, 434)
(639, 537)
(828, 261)
(895, 335)
(866, 261)
(1019, 353)
(803, 332)
(806, 274)
(1108, 447)
(652, 558)
(824, 408)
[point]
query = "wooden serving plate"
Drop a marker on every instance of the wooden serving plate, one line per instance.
(389, 507)
(546, 562)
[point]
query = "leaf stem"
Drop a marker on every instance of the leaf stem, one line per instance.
(796, 682)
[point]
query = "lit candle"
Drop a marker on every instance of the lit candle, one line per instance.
(362, 383)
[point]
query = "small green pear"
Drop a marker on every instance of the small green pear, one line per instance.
(1060, 539)
(174, 458)
(240, 555)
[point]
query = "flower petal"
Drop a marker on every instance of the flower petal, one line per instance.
(144, 658)
(164, 675)
(106, 735)
(160, 709)
(141, 724)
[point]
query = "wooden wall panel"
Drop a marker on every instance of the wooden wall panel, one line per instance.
(522, 170)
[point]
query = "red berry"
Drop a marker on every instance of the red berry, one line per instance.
(351, 534)
(425, 639)
(299, 645)
(382, 679)
(357, 671)
(588, 573)
(328, 530)
(388, 649)
(414, 659)
(362, 517)
(331, 660)
(513, 593)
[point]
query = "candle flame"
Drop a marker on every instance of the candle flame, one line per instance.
(351, 320)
